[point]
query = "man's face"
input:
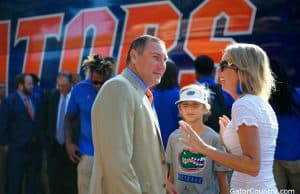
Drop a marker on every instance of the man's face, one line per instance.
(98, 79)
(63, 85)
(151, 64)
(28, 85)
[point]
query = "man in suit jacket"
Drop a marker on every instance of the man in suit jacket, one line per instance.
(20, 132)
(61, 170)
(129, 155)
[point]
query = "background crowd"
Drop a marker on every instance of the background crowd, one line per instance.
(47, 136)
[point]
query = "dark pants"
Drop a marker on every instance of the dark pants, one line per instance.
(24, 163)
(3, 170)
(287, 175)
(62, 171)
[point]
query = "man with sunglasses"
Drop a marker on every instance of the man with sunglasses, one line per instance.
(98, 70)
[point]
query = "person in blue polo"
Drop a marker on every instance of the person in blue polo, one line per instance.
(82, 98)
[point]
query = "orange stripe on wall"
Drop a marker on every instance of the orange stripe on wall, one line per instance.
(104, 26)
(35, 31)
(201, 40)
(4, 51)
(162, 16)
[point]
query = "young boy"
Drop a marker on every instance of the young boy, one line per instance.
(190, 172)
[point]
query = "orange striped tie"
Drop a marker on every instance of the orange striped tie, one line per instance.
(149, 95)
(29, 107)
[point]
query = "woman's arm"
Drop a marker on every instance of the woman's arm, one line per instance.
(248, 162)
(171, 189)
(223, 182)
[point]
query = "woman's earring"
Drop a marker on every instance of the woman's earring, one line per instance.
(239, 89)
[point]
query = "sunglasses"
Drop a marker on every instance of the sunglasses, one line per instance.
(95, 82)
(225, 64)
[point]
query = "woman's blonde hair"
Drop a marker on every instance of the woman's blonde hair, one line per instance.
(253, 68)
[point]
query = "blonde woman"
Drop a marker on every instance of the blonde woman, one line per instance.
(250, 137)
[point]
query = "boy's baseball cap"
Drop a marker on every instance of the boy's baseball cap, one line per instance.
(197, 93)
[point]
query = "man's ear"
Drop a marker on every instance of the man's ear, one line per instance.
(133, 56)
(179, 109)
(21, 87)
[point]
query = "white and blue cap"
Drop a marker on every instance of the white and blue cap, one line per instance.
(197, 93)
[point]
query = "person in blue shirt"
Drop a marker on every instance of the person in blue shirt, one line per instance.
(286, 166)
(82, 98)
(221, 101)
(166, 93)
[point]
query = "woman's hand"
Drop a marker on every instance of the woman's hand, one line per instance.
(191, 138)
(223, 122)
(171, 189)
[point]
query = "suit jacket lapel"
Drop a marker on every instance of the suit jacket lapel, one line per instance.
(23, 103)
(133, 82)
(54, 102)
(142, 94)
(153, 115)
(148, 106)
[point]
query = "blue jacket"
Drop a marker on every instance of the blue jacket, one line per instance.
(287, 147)
(167, 111)
(17, 129)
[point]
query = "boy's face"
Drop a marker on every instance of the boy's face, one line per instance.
(192, 111)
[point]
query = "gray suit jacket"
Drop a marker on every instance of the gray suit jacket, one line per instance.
(129, 155)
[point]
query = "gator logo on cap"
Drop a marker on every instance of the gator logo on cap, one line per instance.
(191, 162)
(190, 93)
